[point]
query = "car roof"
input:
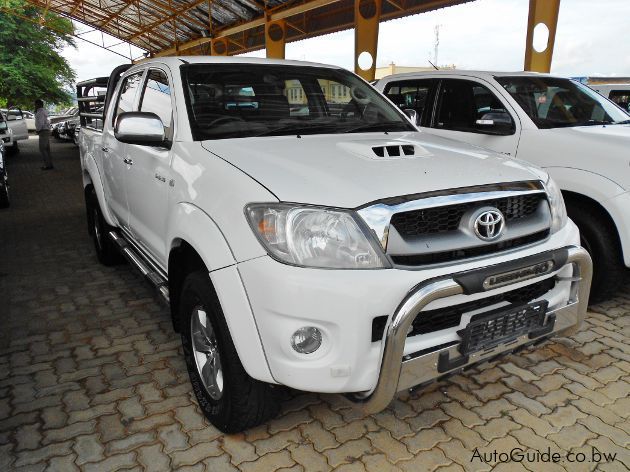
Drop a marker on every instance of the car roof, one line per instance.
(176, 61)
(469, 73)
(611, 86)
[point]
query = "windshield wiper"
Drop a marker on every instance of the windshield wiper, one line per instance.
(624, 122)
(594, 123)
(380, 126)
(293, 128)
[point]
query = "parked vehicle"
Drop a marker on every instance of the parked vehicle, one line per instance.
(29, 118)
(330, 251)
(580, 138)
(66, 130)
(17, 129)
(64, 115)
(618, 93)
(4, 177)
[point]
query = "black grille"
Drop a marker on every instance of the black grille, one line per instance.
(449, 317)
(447, 218)
(438, 257)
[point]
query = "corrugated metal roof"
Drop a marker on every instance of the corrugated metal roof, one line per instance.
(186, 26)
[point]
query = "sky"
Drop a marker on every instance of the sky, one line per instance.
(591, 40)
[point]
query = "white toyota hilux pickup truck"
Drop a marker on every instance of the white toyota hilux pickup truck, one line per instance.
(581, 138)
(305, 234)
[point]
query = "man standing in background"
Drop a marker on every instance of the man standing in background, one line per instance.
(42, 127)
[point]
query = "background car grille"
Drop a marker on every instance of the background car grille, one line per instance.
(448, 218)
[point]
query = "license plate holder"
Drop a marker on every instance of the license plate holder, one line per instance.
(488, 330)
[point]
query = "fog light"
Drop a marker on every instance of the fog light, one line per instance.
(306, 340)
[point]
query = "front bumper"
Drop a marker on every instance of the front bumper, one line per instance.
(344, 305)
(398, 373)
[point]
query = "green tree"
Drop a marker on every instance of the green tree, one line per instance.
(31, 65)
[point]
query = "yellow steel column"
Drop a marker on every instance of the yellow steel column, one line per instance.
(275, 36)
(543, 19)
(367, 14)
(219, 47)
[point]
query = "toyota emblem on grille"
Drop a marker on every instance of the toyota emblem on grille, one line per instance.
(489, 225)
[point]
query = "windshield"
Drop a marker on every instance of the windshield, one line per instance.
(245, 100)
(554, 102)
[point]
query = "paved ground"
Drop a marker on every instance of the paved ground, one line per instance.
(91, 375)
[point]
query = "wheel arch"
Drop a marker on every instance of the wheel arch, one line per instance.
(602, 194)
(185, 258)
(182, 260)
(579, 200)
(194, 242)
(92, 178)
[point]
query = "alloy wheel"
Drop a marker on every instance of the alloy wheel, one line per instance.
(206, 352)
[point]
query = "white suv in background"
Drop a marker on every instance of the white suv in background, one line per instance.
(16, 130)
(618, 93)
(581, 138)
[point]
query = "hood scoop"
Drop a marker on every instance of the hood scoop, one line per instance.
(394, 151)
(385, 151)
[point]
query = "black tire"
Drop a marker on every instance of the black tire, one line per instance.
(4, 194)
(105, 248)
(13, 150)
(240, 402)
(601, 240)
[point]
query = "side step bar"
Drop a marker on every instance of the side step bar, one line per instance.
(146, 268)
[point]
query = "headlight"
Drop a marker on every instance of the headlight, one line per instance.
(314, 237)
(559, 216)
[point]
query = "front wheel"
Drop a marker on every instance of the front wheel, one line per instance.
(230, 399)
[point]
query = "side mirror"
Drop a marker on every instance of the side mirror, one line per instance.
(496, 122)
(412, 115)
(143, 128)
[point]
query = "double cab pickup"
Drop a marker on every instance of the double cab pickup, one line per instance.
(305, 234)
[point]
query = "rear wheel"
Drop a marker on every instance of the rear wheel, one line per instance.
(106, 251)
(14, 149)
(600, 239)
(4, 192)
(230, 399)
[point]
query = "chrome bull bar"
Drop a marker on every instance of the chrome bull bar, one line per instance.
(398, 373)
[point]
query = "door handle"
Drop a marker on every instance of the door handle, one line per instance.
(128, 161)
(105, 149)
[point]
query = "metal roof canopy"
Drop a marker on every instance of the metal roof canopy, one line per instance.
(224, 27)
